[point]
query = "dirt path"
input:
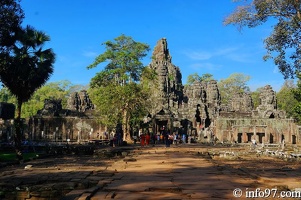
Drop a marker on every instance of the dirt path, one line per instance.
(182, 172)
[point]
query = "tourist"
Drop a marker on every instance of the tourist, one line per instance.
(154, 138)
(142, 139)
(115, 140)
(158, 138)
(135, 139)
(184, 138)
(166, 138)
(161, 138)
(147, 139)
(170, 138)
(175, 138)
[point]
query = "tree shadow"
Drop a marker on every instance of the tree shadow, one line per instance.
(183, 172)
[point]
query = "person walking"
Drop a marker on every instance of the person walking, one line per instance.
(142, 140)
(147, 139)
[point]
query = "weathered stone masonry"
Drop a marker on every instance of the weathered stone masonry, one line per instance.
(193, 109)
(196, 109)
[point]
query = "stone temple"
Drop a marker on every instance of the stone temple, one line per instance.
(195, 110)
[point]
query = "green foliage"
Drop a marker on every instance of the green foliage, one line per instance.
(285, 98)
(283, 44)
(256, 97)
(6, 96)
(297, 95)
(28, 66)
(11, 16)
(124, 61)
(192, 78)
(195, 77)
(116, 91)
(206, 77)
(235, 83)
(56, 90)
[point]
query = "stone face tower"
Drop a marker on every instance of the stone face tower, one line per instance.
(175, 106)
(168, 90)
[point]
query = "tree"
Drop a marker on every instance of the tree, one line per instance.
(283, 44)
(285, 98)
(235, 83)
(115, 90)
(11, 16)
(192, 78)
(297, 96)
(206, 77)
(195, 77)
(7, 96)
(26, 69)
(256, 97)
(53, 90)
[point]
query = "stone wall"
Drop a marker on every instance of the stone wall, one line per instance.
(239, 130)
(197, 107)
(192, 109)
(60, 129)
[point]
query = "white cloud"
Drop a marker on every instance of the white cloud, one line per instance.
(225, 51)
(237, 54)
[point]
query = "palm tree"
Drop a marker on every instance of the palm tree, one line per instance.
(26, 69)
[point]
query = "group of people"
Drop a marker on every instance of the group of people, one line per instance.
(117, 139)
(145, 139)
(163, 137)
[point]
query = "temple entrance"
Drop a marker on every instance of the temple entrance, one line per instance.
(294, 139)
(239, 137)
(160, 125)
(260, 136)
(271, 138)
(249, 137)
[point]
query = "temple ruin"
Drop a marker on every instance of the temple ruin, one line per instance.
(195, 110)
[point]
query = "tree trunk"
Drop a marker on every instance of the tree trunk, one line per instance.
(18, 133)
(125, 127)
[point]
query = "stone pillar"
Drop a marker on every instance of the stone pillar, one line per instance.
(254, 134)
(244, 138)
(267, 136)
(235, 136)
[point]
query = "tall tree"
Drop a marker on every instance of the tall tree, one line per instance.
(297, 96)
(235, 83)
(285, 98)
(283, 45)
(11, 16)
(25, 69)
(115, 89)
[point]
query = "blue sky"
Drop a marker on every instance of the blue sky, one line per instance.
(197, 39)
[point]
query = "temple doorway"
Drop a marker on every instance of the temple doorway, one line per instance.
(271, 138)
(161, 125)
(239, 137)
(294, 139)
(249, 137)
(260, 136)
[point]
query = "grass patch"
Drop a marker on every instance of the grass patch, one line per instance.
(9, 156)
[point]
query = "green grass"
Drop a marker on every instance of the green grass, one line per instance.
(9, 156)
